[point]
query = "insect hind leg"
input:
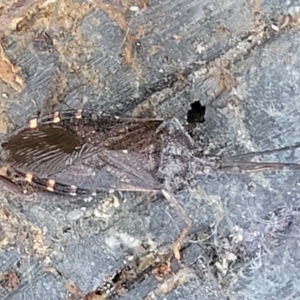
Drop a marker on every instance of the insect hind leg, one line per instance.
(50, 185)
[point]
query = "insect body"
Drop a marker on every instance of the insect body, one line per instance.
(91, 152)
(52, 144)
(83, 152)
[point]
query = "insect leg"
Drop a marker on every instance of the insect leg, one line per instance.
(50, 185)
(10, 185)
(181, 212)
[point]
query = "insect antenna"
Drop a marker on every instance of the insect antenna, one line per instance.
(249, 155)
(250, 166)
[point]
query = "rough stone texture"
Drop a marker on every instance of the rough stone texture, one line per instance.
(239, 58)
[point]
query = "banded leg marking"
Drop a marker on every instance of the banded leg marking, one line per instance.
(53, 186)
(66, 115)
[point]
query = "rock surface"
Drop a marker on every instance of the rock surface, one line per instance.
(240, 59)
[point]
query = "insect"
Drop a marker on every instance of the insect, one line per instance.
(79, 152)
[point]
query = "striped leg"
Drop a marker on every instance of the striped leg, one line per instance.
(27, 183)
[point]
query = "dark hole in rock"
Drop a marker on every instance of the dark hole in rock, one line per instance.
(197, 113)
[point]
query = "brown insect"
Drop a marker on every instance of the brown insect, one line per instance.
(82, 152)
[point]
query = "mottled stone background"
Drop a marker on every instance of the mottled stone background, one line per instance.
(239, 58)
